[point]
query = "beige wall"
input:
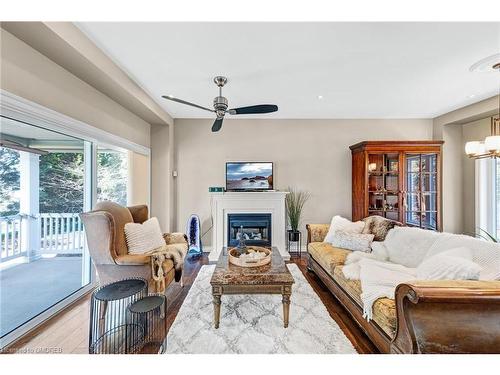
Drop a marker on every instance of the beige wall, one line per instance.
(452, 178)
(162, 199)
(27, 73)
(138, 189)
(448, 128)
(473, 131)
(312, 155)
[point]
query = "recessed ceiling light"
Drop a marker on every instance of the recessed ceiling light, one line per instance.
(471, 96)
(488, 64)
(320, 97)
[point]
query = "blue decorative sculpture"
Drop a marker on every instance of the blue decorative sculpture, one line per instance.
(193, 233)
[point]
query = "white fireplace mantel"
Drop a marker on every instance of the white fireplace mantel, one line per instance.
(267, 202)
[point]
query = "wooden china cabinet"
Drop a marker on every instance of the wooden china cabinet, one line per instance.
(399, 180)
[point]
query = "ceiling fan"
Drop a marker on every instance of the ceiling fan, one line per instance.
(221, 104)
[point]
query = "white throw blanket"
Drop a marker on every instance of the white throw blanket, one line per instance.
(378, 279)
(396, 260)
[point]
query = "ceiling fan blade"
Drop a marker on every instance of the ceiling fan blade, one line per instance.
(217, 124)
(253, 109)
(187, 103)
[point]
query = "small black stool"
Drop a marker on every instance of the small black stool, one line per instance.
(150, 314)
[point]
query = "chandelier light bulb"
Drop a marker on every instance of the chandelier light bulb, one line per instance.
(472, 148)
(492, 143)
(481, 150)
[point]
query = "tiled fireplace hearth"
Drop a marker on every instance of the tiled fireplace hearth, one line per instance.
(262, 215)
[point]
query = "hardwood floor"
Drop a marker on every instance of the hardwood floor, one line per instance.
(68, 331)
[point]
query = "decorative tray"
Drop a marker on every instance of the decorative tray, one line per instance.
(254, 256)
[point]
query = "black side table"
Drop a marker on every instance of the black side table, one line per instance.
(296, 244)
(149, 314)
(111, 329)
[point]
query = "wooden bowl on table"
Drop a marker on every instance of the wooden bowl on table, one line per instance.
(236, 259)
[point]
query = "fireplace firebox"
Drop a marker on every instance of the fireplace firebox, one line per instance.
(256, 229)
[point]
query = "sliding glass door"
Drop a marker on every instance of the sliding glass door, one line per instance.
(44, 186)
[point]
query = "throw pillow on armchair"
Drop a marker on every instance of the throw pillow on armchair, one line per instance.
(145, 237)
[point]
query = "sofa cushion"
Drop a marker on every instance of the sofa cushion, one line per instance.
(121, 216)
(327, 256)
(384, 309)
(352, 241)
(340, 223)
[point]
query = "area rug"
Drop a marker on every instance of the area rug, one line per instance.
(254, 323)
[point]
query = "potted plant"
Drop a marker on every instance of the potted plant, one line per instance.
(295, 201)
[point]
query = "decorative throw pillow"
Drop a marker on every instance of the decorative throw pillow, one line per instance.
(340, 223)
(352, 241)
(378, 226)
(453, 264)
(145, 237)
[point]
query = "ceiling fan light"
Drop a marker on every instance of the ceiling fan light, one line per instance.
(492, 143)
(471, 148)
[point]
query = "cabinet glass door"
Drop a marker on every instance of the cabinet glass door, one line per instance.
(421, 190)
(383, 185)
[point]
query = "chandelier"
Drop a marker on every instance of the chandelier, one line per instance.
(490, 147)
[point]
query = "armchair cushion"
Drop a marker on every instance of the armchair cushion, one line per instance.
(327, 256)
(120, 216)
(133, 259)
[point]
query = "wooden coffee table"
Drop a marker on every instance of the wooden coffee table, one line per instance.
(273, 278)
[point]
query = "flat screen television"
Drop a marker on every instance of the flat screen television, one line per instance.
(249, 176)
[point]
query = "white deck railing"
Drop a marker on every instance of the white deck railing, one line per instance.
(10, 237)
(55, 233)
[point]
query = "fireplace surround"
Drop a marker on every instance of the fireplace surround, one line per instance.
(264, 202)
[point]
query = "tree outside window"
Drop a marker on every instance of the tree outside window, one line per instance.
(112, 176)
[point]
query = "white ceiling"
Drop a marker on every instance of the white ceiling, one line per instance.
(362, 70)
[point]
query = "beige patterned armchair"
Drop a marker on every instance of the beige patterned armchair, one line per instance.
(104, 228)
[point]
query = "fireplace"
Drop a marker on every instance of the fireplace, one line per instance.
(256, 229)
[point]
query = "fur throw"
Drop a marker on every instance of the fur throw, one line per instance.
(379, 226)
(176, 252)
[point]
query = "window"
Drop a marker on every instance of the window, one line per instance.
(42, 244)
(112, 175)
(488, 197)
(52, 168)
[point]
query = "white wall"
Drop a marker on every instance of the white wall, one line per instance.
(311, 155)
